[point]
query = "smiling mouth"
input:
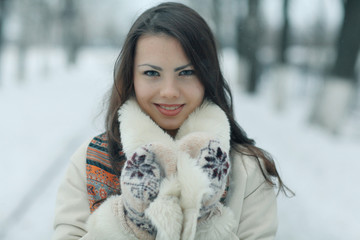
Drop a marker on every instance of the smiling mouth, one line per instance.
(170, 109)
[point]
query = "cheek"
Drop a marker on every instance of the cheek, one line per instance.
(198, 91)
(140, 88)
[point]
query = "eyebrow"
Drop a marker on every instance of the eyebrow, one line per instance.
(182, 67)
(152, 66)
(160, 69)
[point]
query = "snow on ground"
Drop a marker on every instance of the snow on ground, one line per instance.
(47, 118)
(42, 123)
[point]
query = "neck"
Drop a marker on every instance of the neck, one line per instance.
(172, 133)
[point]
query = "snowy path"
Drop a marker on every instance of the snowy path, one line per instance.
(45, 120)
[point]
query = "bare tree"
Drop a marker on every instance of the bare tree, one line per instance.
(338, 93)
(247, 43)
(2, 19)
(71, 30)
(284, 40)
(26, 31)
(281, 70)
(348, 42)
(216, 6)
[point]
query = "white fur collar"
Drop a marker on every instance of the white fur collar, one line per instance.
(137, 128)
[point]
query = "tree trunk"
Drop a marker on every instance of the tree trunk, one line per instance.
(348, 42)
(216, 6)
(71, 30)
(335, 99)
(248, 44)
(284, 40)
(2, 18)
(24, 40)
(281, 70)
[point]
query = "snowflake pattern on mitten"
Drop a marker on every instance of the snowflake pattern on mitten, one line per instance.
(140, 183)
(215, 163)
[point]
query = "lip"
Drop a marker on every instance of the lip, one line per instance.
(169, 109)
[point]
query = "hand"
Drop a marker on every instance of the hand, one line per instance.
(151, 192)
(214, 162)
(140, 183)
(165, 211)
(202, 172)
(123, 216)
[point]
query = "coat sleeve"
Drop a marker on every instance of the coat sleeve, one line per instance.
(259, 215)
(73, 220)
(253, 201)
(72, 207)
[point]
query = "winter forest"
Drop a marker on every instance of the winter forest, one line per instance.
(293, 67)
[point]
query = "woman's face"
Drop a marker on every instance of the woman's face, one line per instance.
(165, 82)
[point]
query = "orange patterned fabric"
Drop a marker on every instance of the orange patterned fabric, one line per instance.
(101, 178)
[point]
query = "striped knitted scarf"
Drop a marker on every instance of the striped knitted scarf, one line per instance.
(101, 178)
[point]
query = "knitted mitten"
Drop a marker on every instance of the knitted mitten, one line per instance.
(154, 190)
(140, 183)
(165, 211)
(205, 139)
(214, 162)
(150, 193)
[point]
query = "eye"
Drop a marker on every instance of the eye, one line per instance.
(187, 73)
(151, 73)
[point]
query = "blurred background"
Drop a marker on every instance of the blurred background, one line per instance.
(293, 67)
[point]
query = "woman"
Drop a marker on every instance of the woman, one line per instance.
(173, 163)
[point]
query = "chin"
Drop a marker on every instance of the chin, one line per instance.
(170, 128)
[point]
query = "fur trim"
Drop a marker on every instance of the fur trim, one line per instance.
(222, 225)
(194, 142)
(137, 128)
(194, 185)
(190, 224)
(208, 118)
(108, 221)
(208, 121)
(165, 212)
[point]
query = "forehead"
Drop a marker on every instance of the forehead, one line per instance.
(159, 47)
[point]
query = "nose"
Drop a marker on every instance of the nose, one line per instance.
(170, 88)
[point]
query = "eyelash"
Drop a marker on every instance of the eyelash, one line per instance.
(151, 73)
(187, 73)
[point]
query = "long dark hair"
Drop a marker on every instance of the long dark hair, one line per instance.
(197, 40)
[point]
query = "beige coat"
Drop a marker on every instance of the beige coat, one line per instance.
(251, 199)
(250, 209)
